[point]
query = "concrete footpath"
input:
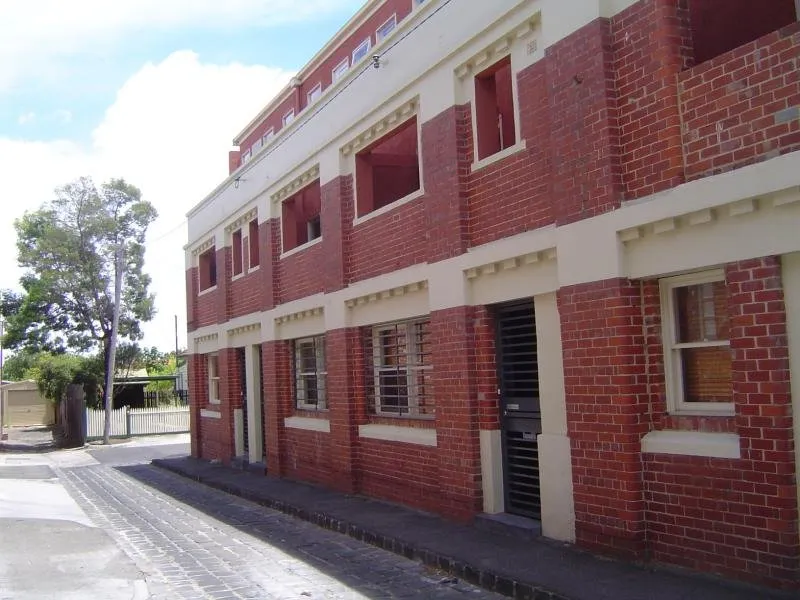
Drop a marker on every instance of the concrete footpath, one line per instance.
(49, 547)
(514, 566)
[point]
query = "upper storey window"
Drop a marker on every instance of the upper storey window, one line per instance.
(339, 70)
(301, 217)
(718, 26)
(236, 251)
(314, 94)
(494, 109)
(270, 133)
(386, 29)
(361, 51)
(288, 117)
(388, 170)
(207, 269)
(255, 257)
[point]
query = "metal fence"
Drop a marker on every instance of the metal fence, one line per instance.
(126, 421)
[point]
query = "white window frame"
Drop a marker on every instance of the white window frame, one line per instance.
(256, 146)
(246, 156)
(381, 33)
(339, 70)
(320, 373)
(314, 94)
(673, 370)
(268, 135)
(412, 368)
(366, 45)
(213, 378)
(288, 117)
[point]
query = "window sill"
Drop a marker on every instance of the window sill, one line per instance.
(311, 408)
(708, 409)
(389, 207)
(253, 269)
(238, 276)
(208, 290)
(498, 156)
(692, 443)
(308, 424)
(297, 249)
(216, 401)
(210, 414)
(396, 433)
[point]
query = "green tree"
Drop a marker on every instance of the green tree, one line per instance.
(68, 250)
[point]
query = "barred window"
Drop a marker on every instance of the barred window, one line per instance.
(398, 366)
(310, 373)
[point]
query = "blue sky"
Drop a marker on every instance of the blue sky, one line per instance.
(149, 90)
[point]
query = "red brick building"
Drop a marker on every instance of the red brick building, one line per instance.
(523, 256)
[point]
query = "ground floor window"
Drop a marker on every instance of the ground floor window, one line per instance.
(310, 373)
(696, 335)
(398, 363)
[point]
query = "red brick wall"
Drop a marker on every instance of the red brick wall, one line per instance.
(743, 106)
(244, 295)
(605, 385)
(734, 517)
(345, 364)
(206, 309)
(308, 456)
(336, 220)
(278, 403)
(446, 202)
(192, 288)
(198, 397)
(404, 473)
(485, 367)
(651, 45)
(388, 242)
(453, 382)
(299, 274)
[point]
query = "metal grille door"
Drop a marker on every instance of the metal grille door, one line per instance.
(518, 375)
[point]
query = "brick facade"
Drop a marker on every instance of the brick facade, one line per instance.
(611, 117)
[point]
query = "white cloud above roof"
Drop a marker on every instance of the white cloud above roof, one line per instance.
(167, 132)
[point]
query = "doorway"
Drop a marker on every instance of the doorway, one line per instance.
(521, 418)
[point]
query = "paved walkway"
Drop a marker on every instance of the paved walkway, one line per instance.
(521, 568)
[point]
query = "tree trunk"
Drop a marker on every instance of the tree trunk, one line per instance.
(112, 347)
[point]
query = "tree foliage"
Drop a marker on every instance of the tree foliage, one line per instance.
(67, 249)
(54, 372)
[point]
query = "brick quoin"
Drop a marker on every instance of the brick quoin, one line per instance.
(270, 236)
(605, 385)
(336, 218)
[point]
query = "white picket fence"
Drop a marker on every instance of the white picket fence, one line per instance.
(126, 421)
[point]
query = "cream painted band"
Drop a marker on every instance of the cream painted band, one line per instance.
(398, 433)
(308, 424)
(210, 414)
(585, 251)
(692, 443)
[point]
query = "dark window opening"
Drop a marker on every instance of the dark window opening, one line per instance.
(301, 217)
(494, 109)
(255, 258)
(207, 267)
(388, 170)
(718, 26)
(237, 252)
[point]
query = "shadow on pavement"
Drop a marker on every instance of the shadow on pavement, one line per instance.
(325, 552)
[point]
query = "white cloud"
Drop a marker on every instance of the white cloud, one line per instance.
(25, 118)
(168, 132)
(35, 36)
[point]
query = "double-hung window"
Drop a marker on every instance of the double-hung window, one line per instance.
(361, 50)
(386, 29)
(398, 368)
(310, 373)
(339, 70)
(696, 336)
(213, 379)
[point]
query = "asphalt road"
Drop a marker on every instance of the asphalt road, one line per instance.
(190, 541)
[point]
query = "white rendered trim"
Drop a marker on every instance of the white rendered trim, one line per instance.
(692, 443)
(397, 433)
(308, 424)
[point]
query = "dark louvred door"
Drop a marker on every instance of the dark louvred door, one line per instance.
(240, 355)
(518, 376)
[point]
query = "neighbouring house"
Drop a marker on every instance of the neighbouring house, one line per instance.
(24, 405)
(524, 256)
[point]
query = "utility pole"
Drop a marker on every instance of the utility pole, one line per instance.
(112, 350)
